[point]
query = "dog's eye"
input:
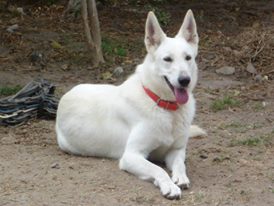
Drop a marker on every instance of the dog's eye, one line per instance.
(188, 57)
(168, 59)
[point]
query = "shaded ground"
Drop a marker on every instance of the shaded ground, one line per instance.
(232, 166)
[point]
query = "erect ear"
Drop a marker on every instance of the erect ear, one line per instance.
(188, 30)
(154, 35)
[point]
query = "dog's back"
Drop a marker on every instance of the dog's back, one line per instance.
(96, 108)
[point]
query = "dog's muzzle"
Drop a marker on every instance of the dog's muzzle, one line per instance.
(184, 81)
(180, 92)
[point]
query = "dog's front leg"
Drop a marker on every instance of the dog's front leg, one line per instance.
(137, 164)
(175, 161)
(134, 161)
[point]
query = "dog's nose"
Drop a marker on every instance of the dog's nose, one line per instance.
(184, 81)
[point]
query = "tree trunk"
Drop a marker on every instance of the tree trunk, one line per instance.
(91, 28)
(92, 31)
(95, 30)
(73, 7)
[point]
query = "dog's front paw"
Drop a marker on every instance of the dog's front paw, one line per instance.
(170, 190)
(181, 181)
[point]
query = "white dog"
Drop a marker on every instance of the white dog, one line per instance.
(147, 117)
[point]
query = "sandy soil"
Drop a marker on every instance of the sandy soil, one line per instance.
(233, 165)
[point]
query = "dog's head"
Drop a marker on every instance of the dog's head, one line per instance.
(174, 58)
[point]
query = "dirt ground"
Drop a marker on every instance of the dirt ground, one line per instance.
(233, 165)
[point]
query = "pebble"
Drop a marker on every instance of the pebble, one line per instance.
(36, 56)
(226, 70)
(20, 10)
(55, 166)
(118, 71)
(258, 78)
(251, 69)
(12, 28)
(203, 156)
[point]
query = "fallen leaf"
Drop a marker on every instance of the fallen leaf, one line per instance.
(56, 45)
(236, 92)
(106, 75)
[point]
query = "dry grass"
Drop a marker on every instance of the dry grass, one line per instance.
(252, 45)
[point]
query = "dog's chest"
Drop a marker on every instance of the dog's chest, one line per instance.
(181, 123)
(175, 138)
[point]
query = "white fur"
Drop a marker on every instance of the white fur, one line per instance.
(123, 122)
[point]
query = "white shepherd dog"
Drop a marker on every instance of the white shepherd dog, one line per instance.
(148, 117)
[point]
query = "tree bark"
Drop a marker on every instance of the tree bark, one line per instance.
(86, 25)
(95, 29)
(92, 31)
(91, 28)
(72, 8)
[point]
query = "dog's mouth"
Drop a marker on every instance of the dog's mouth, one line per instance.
(181, 94)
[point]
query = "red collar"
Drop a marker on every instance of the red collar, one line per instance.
(169, 105)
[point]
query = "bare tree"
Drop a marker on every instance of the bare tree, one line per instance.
(73, 6)
(91, 27)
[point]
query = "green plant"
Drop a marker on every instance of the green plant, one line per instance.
(258, 107)
(251, 141)
(199, 196)
(6, 91)
(234, 125)
(221, 158)
(240, 127)
(120, 51)
(113, 48)
(265, 140)
(225, 103)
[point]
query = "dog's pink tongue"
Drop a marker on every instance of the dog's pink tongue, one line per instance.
(181, 95)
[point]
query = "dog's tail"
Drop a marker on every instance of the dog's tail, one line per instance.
(196, 131)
